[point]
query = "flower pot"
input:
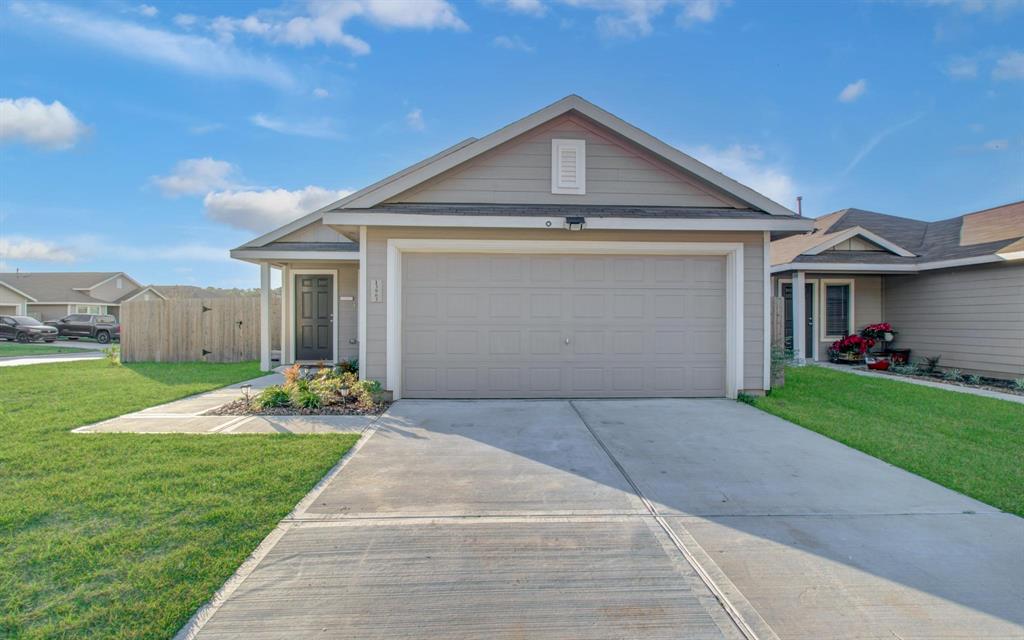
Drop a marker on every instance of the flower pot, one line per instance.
(879, 364)
(887, 336)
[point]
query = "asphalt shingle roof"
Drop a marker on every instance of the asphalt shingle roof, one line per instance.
(57, 286)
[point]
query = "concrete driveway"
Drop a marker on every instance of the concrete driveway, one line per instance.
(623, 519)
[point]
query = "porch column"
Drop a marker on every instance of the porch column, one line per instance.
(284, 316)
(799, 318)
(264, 316)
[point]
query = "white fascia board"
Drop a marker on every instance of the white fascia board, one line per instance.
(19, 292)
(139, 293)
(345, 217)
(570, 103)
(263, 254)
(1012, 255)
(852, 232)
(823, 267)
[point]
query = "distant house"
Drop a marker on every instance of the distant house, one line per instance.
(953, 288)
(50, 296)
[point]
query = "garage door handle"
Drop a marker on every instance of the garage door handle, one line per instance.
(567, 341)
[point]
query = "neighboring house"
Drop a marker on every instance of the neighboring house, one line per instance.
(50, 296)
(566, 254)
(953, 288)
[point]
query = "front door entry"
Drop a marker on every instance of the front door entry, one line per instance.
(809, 328)
(314, 317)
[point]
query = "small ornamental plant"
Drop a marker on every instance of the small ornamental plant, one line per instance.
(880, 331)
(853, 344)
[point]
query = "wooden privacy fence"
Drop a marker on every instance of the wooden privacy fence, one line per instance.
(195, 329)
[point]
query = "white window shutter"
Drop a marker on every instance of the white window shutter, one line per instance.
(569, 166)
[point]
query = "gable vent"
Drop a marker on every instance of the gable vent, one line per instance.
(569, 166)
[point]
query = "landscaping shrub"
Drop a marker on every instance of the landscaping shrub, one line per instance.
(306, 398)
(273, 396)
(953, 375)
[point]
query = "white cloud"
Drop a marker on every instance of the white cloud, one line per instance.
(512, 43)
(962, 68)
(698, 11)
(324, 22)
(634, 18)
(746, 164)
(202, 129)
(320, 92)
(264, 210)
(1010, 66)
(185, 20)
(148, 10)
(319, 128)
(30, 121)
(980, 6)
(529, 7)
(996, 145)
(185, 52)
(414, 120)
(23, 248)
(853, 91)
(197, 176)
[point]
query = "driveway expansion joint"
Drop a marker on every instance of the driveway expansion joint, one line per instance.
(740, 610)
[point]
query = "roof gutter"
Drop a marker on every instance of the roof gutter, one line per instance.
(822, 267)
(776, 223)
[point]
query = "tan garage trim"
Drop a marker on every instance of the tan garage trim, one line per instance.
(732, 251)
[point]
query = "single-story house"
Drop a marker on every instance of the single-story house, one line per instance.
(53, 295)
(952, 288)
(566, 254)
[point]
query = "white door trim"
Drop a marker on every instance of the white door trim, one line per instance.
(733, 252)
(815, 343)
(334, 308)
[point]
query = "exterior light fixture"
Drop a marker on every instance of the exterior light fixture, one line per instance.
(575, 223)
(246, 389)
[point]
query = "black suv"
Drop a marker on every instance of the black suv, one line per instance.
(25, 329)
(83, 325)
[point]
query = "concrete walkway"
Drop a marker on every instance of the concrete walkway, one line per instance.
(622, 519)
(186, 416)
(985, 393)
(49, 358)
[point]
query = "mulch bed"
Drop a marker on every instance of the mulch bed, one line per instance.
(242, 408)
(989, 384)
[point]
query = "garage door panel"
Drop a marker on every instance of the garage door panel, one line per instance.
(636, 326)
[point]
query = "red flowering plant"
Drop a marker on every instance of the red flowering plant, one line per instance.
(852, 344)
(878, 331)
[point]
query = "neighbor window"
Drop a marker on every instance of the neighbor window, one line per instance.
(837, 310)
(120, 283)
(91, 309)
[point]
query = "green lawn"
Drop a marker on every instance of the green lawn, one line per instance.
(125, 535)
(971, 444)
(10, 349)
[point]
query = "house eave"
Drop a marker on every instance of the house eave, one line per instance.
(832, 267)
(777, 223)
(257, 256)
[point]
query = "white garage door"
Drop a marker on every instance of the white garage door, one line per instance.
(531, 326)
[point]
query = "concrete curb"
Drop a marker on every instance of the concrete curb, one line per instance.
(982, 393)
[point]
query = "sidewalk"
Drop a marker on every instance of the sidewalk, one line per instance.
(186, 416)
(83, 354)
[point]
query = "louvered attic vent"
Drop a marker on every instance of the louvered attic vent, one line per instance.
(569, 166)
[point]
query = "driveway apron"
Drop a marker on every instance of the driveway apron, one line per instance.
(500, 519)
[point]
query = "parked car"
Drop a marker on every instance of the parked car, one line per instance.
(25, 329)
(83, 325)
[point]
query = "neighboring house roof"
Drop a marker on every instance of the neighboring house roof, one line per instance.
(135, 293)
(984, 236)
(370, 199)
(61, 287)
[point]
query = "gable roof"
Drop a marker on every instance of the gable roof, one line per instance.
(131, 295)
(371, 197)
(61, 287)
(990, 235)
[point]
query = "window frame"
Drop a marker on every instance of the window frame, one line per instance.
(87, 312)
(824, 284)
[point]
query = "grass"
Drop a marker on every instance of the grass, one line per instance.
(10, 349)
(968, 443)
(125, 535)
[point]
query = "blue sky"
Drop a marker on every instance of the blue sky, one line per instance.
(152, 138)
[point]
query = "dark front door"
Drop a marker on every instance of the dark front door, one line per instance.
(314, 317)
(787, 295)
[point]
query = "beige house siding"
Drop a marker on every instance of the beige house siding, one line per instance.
(376, 266)
(8, 297)
(973, 317)
(46, 312)
(109, 292)
(617, 173)
(345, 323)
